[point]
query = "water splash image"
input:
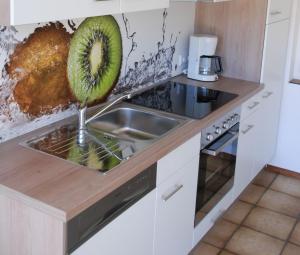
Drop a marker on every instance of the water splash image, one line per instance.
(137, 70)
(8, 42)
(149, 69)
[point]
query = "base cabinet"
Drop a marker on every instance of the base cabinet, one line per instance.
(175, 212)
(246, 153)
(258, 138)
(130, 233)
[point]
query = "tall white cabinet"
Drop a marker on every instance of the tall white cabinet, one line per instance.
(288, 151)
(261, 114)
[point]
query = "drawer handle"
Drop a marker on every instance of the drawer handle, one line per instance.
(248, 129)
(250, 107)
(268, 94)
(171, 194)
(274, 13)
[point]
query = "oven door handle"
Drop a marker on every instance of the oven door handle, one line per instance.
(215, 153)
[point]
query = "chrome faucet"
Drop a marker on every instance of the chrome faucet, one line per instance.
(83, 121)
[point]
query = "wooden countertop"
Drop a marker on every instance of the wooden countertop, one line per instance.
(63, 189)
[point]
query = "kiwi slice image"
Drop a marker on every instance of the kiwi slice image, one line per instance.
(95, 59)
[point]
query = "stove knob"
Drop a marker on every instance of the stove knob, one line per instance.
(209, 137)
(218, 131)
(232, 118)
(236, 117)
(225, 125)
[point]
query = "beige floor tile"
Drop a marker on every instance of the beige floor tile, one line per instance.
(281, 203)
(287, 185)
(271, 223)
(220, 233)
(291, 249)
(248, 242)
(252, 194)
(204, 248)
(237, 212)
(295, 238)
(264, 178)
(225, 253)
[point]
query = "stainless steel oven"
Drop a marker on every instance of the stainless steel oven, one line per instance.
(217, 163)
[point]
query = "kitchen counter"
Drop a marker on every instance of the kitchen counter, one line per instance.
(62, 189)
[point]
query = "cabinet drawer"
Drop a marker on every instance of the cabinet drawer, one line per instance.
(279, 10)
(176, 159)
(250, 106)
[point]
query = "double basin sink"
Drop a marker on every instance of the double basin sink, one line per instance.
(111, 138)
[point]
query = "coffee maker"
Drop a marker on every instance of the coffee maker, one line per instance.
(204, 65)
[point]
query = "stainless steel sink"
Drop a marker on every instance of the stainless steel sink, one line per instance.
(134, 124)
(109, 139)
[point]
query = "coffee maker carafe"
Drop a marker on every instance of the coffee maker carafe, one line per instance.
(203, 64)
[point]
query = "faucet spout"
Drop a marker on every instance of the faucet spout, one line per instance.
(83, 121)
(105, 108)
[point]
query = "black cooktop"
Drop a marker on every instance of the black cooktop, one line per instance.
(183, 99)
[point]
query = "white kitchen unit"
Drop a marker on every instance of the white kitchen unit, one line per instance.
(44, 11)
(177, 176)
(268, 128)
(279, 10)
(287, 153)
(143, 5)
(273, 76)
(175, 213)
(275, 55)
(260, 114)
(258, 136)
(130, 233)
(247, 152)
(12, 11)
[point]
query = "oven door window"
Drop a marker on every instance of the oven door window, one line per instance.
(216, 173)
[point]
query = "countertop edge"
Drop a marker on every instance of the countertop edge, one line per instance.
(33, 203)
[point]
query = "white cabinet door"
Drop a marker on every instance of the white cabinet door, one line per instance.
(268, 130)
(273, 76)
(142, 5)
(246, 152)
(175, 213)
(44, 11)
(130, 233)
(279, 10)
(275, 55)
